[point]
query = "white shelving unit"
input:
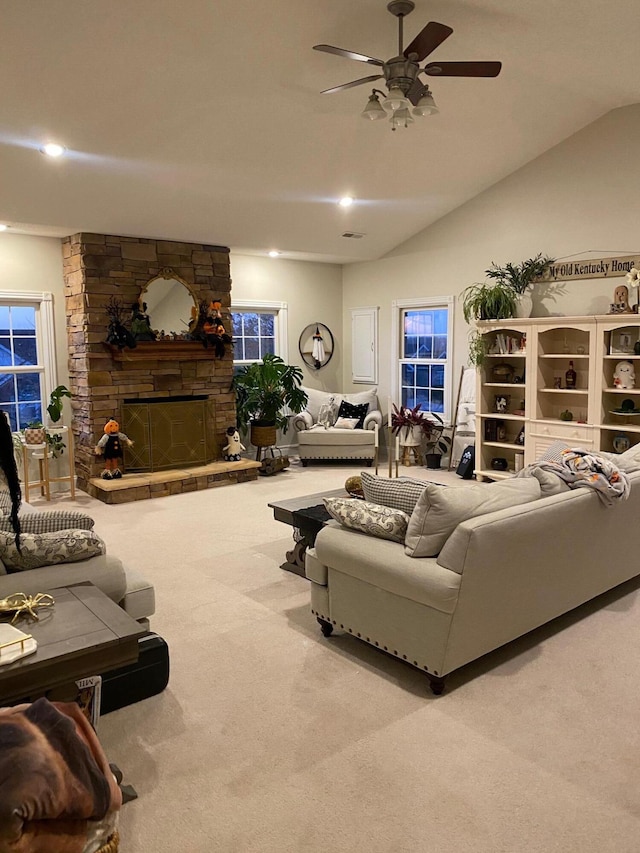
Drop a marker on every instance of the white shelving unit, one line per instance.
(526, 364)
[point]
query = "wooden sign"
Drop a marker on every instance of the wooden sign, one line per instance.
(594, 268)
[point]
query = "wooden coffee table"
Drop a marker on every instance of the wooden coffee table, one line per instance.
(84, 633)
(305, 526)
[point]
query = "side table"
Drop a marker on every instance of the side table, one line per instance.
(43, 453)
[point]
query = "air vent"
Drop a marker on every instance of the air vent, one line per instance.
(353, 235)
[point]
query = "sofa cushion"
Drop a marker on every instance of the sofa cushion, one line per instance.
(401, 493)
(48, 549)
(332, 437)
(139, 600)
(372, 519)
(317, 398)
(439, 511)
(105, 572)
(346, 423)
(354, 410)
(550, 483)
(49, 522)
(369, 397)
(629, 461)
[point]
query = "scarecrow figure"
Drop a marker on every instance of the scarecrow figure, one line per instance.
(110, 447)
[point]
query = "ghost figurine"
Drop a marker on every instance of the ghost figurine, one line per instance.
(624, 375)
(234, 446)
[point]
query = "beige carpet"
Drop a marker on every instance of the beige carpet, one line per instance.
(271, 738)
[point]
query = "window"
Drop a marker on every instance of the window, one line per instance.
(26, 356)
(423, 333)
(259, 328)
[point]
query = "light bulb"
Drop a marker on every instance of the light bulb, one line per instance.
(395, 100)
(3, 227)
(52, 149)
(426, 106)
(274, 254)
(374, 109)
(346, 201)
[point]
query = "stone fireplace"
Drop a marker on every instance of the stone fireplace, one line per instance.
(98, 267)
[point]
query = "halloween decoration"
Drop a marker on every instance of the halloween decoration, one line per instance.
(233, 447)
(624, 375)
(110, 447)
(117, 334)
(141, 323)
(620, 304)
(19, 603)
(207, 325)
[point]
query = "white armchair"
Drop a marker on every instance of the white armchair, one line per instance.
(319, 443)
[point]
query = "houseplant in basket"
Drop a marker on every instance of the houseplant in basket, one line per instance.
(520, 277)
(263, 391)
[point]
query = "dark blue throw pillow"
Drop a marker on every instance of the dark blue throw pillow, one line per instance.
(349, 410)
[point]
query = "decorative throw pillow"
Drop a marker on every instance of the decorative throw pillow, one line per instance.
(349, 410)
(346, 423)
(553, 453)
(49, 522)
(402, 493)
(439, 511)
(48, 549)
(376, 520)
(5, 502)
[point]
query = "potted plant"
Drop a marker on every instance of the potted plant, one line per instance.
(36, 433)
(496, 301)
(418, 425)
(438, 442)
(263, 390)
(478, 348)
(410, 425)
(520, 277)
(55, 402)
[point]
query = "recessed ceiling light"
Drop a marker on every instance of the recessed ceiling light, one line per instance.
(346, 201)
(274, 254)
(52, 149)
(3, 227)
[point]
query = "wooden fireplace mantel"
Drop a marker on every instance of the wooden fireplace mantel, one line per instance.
(162, 351)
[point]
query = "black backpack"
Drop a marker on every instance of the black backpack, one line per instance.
(467, 463)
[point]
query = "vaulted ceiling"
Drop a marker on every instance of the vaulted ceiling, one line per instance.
(203, 120)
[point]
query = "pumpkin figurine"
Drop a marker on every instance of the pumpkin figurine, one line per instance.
(110, 447)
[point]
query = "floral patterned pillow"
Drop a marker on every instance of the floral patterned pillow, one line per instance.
(373, 519)
(47, 549)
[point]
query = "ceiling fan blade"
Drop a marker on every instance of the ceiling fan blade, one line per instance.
(463, 69)
(428, 40)
(416, 91)
(348, 54)
(352, 84)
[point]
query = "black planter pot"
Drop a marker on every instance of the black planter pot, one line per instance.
(433, 460)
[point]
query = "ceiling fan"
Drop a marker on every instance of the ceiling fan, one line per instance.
(402, 72)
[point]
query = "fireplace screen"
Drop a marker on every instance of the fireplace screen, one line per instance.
(166, 434)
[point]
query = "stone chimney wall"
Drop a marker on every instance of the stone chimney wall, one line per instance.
(97, 267)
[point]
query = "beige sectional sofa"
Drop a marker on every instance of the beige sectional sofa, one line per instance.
(498, 576)
(125, 586)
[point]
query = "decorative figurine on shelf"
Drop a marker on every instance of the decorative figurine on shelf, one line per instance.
(207, 326)
(140, 323)
(501, 403)
(620, 304)
(110, 447)
(620, 443)
(624, 375)
(566, 415)
(118, 335)
(234, 446)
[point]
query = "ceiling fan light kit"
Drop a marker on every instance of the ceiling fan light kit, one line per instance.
(402, 73)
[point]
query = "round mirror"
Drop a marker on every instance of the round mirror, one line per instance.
(167, 301)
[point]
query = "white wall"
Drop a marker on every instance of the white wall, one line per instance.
(35, 263)
(313, 293)
(580, 198)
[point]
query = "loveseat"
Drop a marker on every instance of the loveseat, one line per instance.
(497, 576)
(317, 442)
(125, 586)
